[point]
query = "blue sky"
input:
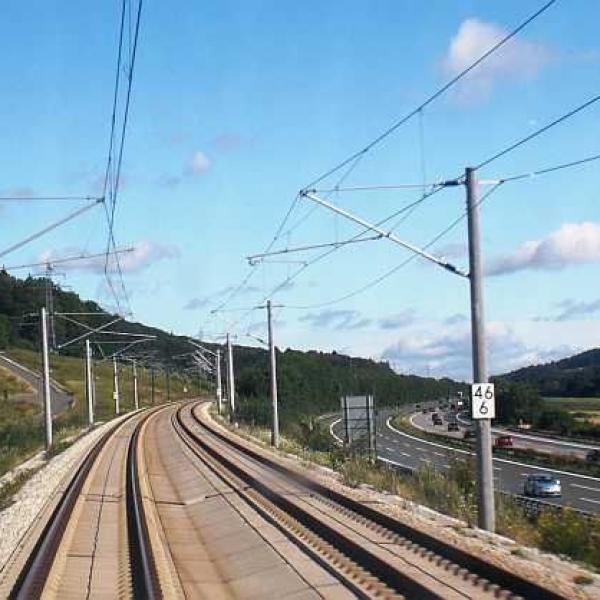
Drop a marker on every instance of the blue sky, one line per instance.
(238, 105)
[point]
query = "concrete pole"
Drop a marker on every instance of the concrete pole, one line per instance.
(116, 386)
(46, 379)
(88, 382)
(219, 387)
(152, 386)
(485, 471)
(273, 369)
(136, 400)
(230, 379)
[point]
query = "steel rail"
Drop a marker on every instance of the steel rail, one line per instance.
(34, 574)
(474, 564)
(192, 444)
(144, 576)
(344, 543)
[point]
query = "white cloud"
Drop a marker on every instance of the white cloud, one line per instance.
(144, 253)
(448, 352)
(573, 243)
(517, 59)
(199, 163)
(339, 319)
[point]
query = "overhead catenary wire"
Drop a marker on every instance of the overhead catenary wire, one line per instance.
(288, 280)
(432, 97)
(113, 166)
(374, 282)
(355, 158)
(278, 234)
(47, 198)
(538, 132)
(553, 169)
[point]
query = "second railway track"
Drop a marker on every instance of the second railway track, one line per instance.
(374, 548)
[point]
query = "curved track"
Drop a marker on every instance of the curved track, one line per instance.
(170, 505)
(410, 562)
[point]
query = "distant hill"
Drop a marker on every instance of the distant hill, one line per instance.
(576, 376)
(310, 383)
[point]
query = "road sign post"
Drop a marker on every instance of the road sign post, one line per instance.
(485, 474)
(483, 401)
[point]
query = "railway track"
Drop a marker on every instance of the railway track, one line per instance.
(94, 543)
(169, 505)
(376, 547)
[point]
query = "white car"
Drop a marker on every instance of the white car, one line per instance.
(542, 485)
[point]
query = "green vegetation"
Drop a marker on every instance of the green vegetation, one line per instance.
(312, 383)
(11, 385)
(452, 492)
(576, 376)
(21, 431)
(8, 490)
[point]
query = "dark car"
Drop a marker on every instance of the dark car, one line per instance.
(593, 456)
(453, 426)
(438, 420)
(504, 441)
(542, 485)
(469, 434)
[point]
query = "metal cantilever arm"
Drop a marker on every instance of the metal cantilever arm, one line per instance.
(387, 234)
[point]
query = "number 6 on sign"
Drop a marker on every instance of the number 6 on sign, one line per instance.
(483, 398)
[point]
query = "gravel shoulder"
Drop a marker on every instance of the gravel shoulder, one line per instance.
(549, 570)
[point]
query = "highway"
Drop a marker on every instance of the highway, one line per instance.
(60, 399)
(537, 442)
(409, 451)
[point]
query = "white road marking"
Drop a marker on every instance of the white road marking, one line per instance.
(590, 500)
(497, 469)
(405, 453)
(584, 487)
(389, 449)
(425, 460)
(393, 462)
(337, 438)
(445, 466)
(439, 454)
(420, 449)
(500, 460)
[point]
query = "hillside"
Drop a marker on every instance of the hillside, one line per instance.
(576, 376)
(309, 382)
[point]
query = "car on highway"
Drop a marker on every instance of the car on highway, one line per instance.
(469, 434)
(542, 486)
(503, 441)
(453, 426)
(438, 420)
(593, 456)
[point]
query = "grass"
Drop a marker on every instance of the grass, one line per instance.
(21, 429)
(452, 492)
(10, 385)
(573, 404)
(8, 490)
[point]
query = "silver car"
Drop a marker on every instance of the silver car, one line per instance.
(542, 485)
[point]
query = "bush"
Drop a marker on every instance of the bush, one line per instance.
(569, 533)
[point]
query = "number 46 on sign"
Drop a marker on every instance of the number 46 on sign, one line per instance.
(483, 405)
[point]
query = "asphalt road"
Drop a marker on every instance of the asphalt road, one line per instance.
(60, 398)
(539, 443)
(404, 450)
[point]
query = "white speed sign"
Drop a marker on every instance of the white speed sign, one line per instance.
(483, 397)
